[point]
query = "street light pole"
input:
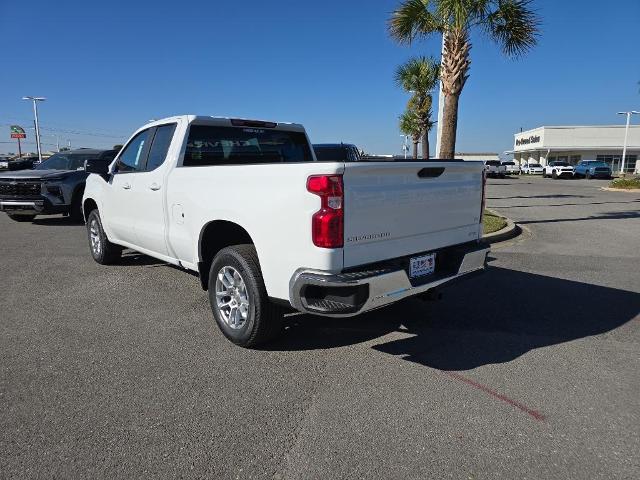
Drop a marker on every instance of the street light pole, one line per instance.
(626, 137)
(405, 147)
(35, 101)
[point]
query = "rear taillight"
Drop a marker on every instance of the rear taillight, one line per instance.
(327, 224)
(484, 195)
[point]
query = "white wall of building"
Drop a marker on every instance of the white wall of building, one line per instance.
(477, 156)
(597, 137)
(576, 143)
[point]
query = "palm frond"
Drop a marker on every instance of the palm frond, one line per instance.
(514, 26)
(409, 124)
(418, 74)
(413, 19)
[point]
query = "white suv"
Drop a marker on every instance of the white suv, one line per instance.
(557, 170)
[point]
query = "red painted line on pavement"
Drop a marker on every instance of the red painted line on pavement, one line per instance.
(533, 413)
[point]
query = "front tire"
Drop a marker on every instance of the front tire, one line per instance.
(554, 175)
(102, 250)
(587, 176)
(239, 300)
(21, 218)
(76, 208)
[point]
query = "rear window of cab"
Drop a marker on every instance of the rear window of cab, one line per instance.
(214, 145)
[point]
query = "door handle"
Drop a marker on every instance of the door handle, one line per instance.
(154, 186)
(127, 186)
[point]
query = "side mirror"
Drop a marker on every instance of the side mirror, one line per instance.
(97, 166)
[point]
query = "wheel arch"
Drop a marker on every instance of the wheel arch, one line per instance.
(88, 205)
(214, 236)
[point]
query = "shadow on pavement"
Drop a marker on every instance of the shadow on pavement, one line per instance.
(559, 195)
(56, 221)
(604, 216)
(493, 318)
(566, 204)
(131, 258)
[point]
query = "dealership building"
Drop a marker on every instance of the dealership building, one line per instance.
(574, 144)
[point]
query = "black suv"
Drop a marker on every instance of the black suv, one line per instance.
(336, 152)
(54, 186)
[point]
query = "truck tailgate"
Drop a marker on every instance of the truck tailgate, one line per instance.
(397, 209)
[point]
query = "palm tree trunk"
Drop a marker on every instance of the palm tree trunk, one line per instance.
(415, 150)
(425, 145)
(454, 74)
(449, 127)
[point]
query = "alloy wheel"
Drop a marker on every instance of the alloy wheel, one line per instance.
(232, 297)
(94, 236)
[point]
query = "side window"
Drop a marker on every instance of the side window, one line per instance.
(132, 157)
(160, 146)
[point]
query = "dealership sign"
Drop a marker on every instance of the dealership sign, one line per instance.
(17, 132)
(527, 140)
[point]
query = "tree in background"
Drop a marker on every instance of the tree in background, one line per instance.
(510, 23)
(419, 76)
(409, 126)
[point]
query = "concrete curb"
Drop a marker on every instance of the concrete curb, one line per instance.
(510, 231)
(631, 190)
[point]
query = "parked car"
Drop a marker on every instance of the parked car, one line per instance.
(336, 152)
(4, 162)
(532, 169)
(54, 186)
(557, 170)
(494, 168)
(592, 169)
(23, 163)
(511, 168)
(246, 205)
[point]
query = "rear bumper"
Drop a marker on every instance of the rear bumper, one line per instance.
(354, 292)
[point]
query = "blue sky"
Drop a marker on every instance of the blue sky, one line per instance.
(108, 67)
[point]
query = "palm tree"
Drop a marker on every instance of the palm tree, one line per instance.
(510, 23)
(420, 76)
(409, 125)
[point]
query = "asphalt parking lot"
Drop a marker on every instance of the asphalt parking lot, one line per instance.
(528, 371)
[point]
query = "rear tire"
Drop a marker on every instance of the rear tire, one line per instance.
(21, 218)
(544, 175)
(102, 250)
(239, 300)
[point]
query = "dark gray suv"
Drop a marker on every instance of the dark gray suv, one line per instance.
(54, 186)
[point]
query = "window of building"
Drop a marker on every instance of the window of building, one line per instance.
(630, 163)
(575, 159)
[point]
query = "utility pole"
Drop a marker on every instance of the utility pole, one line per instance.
(626, 137)
(35, 101)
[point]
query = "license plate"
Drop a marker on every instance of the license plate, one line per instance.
(423, 265)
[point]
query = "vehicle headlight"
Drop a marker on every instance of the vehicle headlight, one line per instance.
(54, 179)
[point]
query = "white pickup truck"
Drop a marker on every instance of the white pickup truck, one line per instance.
(267, 227)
